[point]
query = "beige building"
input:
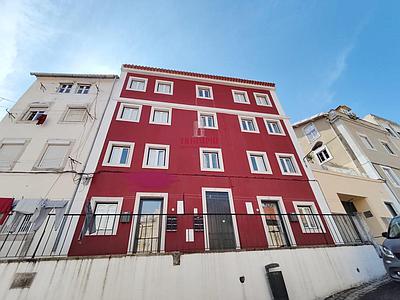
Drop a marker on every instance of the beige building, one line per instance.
(353, 163)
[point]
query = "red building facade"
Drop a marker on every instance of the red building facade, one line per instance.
(193, 162)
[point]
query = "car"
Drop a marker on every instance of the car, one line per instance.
(391, 249)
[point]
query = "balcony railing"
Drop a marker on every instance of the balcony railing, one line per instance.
(161, 233)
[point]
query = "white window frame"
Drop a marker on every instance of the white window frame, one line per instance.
(198, 87)
(386, 150)
(257, 130)
(153, 109)
(52, 143)
(233, 214)
(65, 83)
(294, 161)
(121, 109)
(315, 127)
(311, 204)
(139, 196)
(390, 170)
(220, 159)
(146, 153)
(118, 201)
(34, 107)
(282, 133)
(285, 218)
(266, 161)
(246, 96)
(164, 82)
(133, 78)
(82, 84)
(320, 149)
(267, 96)
(69, 107)
(7, 141)
(199, 113)
(366, 144)
(110, 145)
(393, 205)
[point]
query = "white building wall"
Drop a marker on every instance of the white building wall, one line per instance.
(310, 273)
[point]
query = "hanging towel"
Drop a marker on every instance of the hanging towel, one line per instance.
(90, 222)
(28, 206)
(43, 210)
(5, 208)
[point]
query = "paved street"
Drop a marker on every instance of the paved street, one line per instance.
(388, 291)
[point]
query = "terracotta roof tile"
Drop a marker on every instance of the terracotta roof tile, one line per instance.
(200, 75)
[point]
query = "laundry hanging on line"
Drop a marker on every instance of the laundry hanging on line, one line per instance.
(5, 208)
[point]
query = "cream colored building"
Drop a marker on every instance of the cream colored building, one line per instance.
(351, 166)
(46, 138)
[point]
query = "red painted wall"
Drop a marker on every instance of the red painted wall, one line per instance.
(184, 180)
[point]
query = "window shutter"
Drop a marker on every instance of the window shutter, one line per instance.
(53, 156)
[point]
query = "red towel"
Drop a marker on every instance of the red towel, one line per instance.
(5, 208)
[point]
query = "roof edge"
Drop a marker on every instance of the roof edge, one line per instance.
(71, 75)
(199, 75)
(310, 119)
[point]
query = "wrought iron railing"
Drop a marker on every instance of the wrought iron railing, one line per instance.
(158, 233)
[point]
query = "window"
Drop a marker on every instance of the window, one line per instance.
(258, 162)
(391, 209)
(274, 127)
(306, 217)
(207, 120)
(311, 132)
(65, 88)
(118, 154)
(129, 112)
(34, 113)
(105, 217)
(310, 221)
(83, 89)
(204, 92)
(161, 116)
(288, 164)
(248, 124)
(75, 114)
(156, 156)
(323, 154)
(391, 132)
(388, 148)
(262, 99)
(164, 87)
(367, 143)
(54, 155)
(392, 176)
(137, 84)
(10, 151)
(240, 97)
(211, 159)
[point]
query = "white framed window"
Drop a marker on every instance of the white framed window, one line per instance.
(240, 97)
(160, 116)
(388, 148)
(310, 221)
(323, 154)
(118, 154)
(258, 162)
(34, 113)
(274, 127)
(137, 84)
(391, 132)
(366, 141)
(10, 151)
(262, 99)
(106, 213)
(394, 179)
(204, 92)
(75, 114)
(311, 132)
(164, 87)
(391, 208)
(65, 88)
(83, 89)
(54, 155)
(129, 112)
(207, 120)
(248, 124)
(211, 159)
(288, 164)
(156, 156)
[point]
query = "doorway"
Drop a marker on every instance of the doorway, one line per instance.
(276, 230)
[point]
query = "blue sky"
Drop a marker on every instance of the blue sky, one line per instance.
(319, 53)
